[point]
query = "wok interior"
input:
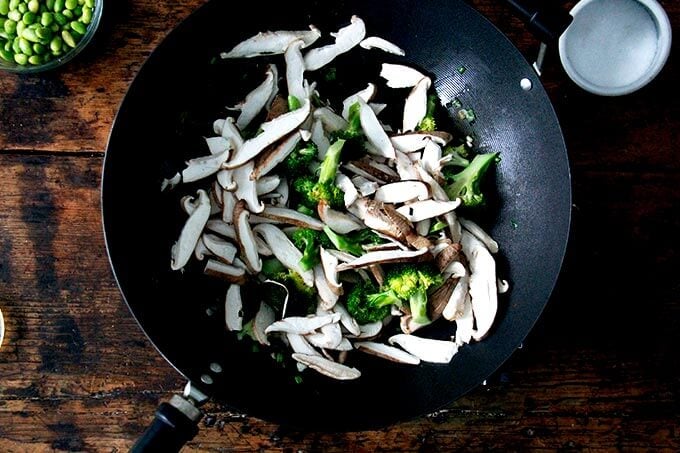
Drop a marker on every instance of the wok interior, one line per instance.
(180, 91)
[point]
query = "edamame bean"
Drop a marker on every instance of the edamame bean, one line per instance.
(68, 38)
(46, 19)
(43, 33)
(20, 28)
(35, 60)
(79, 27)
(14, 4)
(60, 18)
(30, 35)
(25, 46)
(10, 27)
(20, 58)
(49, 4)
(22, 8)
(58, 6)
(71, 4)
(89, 3)
(6, 55)
(86, 18)
(14, 15)
(34, 6)
(68, 13)
(4, 7)
(56, 44)
(29, 18)
(39, 49)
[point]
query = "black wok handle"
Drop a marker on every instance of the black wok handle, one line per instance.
(546, 22)
(175, 424)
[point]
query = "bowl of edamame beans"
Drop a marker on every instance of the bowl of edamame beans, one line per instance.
(39, 35)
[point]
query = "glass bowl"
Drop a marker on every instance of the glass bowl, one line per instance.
(66, 57)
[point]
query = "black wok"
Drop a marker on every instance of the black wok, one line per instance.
(172, 103)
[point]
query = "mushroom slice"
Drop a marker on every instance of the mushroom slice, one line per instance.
(405, 167)
(423, 227)
(327, 296)
(271, 43)
(337, 221)
(374, 42)
(233, 308)
(246, 188)
(218, 269)
(365, 186)
(291, 217)
(282, 190)
(371, 172)
(365, 95)
(295, 70)
(401, 192)
(256, 100)
(328, 367)
(387, 352)
(346, 320)
(171, 183)
(427, 209)
(221, 227)
(483, 290)
(503, 286)
(191, 232)
(272, 131)
(447, 255)
(219, 247)
(465, 323)
(225, 178)
(400, 76)
(432, 154)
(331, 121)
(342, 256)
(319, 138)
(345, 39)
(374, 132)
(455, 306)
(274, 155)
(387, 256)
(480, 234)
(264, 318)
(300, 345)
(267, 184)
(427, 350)
(415, 107)
(439, 299)
(201, 251)
(302, 326)
(228, 204)
(330, 337)
(202, 167)
(245, 237)
(329, 264)
(277, 107)
(284, 250)
(217, 145)
(415, 141)
(346, 185)
(231, 133)
(368, 331)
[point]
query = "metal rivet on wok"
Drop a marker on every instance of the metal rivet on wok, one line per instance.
(215, 367)
(206, 379)
(526, 84)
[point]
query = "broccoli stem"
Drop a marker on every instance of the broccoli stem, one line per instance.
(466, 184)
(342, 243)
(329, 166)
(418, 306)
(293, 103)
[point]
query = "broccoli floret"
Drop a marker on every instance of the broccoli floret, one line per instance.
(361, 308)
(308, 241)
(458, 155)
(298, 162)
(365, 237)
(312, 192)
(305, 210)
(429, 124)
(409, 283)
(353, 130)
(466, 184)
(293, 103)
(343, 242)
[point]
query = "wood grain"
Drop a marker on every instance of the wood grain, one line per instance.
(598, 373)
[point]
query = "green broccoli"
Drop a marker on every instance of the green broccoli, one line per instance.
(429, 124)
(293, 103)
(365, 237)
(458, 155)
(466, 184)
(298, 162)
(312, 192)
(298, 291)
(408, 283)
(308, 241)
(361, 308)
(354, 129)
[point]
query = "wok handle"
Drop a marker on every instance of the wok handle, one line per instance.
(545, 22)
(175, 424)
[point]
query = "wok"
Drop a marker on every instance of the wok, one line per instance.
(172, 103)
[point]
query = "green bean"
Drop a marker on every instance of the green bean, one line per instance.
(29, 18)
(10, 27)
(71, 4)
(58, 6)
(34, 6)
(86, 18)
(46, 19)
(30, 35)
(79, 27)
(6, 55)
(4, 7)
(68, 38)
(56, 44)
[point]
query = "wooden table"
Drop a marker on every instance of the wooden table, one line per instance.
(599, 372)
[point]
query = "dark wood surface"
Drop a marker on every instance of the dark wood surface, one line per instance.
(599, 372)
